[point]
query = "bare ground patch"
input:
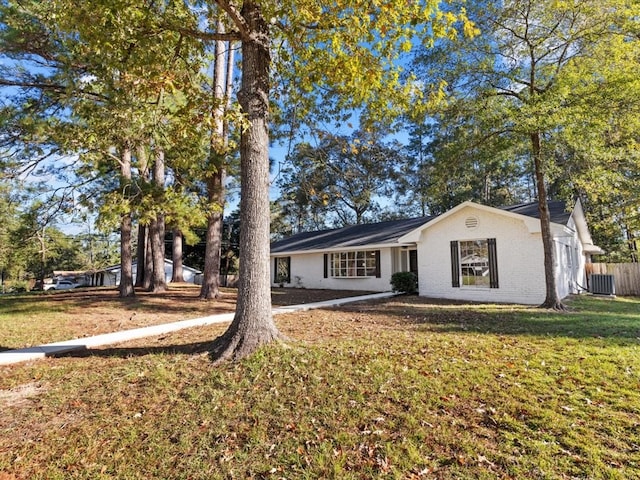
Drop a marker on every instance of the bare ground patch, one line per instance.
(21, 394)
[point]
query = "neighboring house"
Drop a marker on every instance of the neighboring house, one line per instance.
(472, 252)
(110, 276)
(80, 277)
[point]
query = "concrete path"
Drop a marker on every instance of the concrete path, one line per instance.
(51, 349)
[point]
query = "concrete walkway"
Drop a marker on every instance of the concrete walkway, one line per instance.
(51, 349)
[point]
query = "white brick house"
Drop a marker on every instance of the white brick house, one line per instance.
(472, 252)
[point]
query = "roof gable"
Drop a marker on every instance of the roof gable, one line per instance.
(526, 212)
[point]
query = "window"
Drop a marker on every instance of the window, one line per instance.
(364, 263)
(282, 270)
(474, 263)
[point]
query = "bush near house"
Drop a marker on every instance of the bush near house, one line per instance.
(404, 282)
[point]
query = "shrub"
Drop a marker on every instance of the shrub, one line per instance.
(404, 282)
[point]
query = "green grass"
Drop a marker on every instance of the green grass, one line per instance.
(399, 389)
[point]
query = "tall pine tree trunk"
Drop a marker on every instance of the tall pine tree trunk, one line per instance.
(552, 300)
(126, 268)
(210, 288)
(253, 323)
(156, 230)
(148, 263)
(141, 252)
(143, 230)
(176, 255)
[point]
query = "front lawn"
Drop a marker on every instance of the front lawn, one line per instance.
(36, 318)
(403, 388)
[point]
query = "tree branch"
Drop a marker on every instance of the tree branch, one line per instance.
(207, 36)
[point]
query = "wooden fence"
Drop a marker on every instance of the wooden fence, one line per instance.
(627, 275)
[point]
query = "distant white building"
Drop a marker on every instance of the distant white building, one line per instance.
(110, 276)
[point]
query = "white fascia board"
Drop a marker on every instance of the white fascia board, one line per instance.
(350, 248)
(580, 220)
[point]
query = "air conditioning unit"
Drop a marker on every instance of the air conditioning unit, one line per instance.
(602, 284)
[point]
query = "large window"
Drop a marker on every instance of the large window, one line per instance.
(474, 263)
(354, 264)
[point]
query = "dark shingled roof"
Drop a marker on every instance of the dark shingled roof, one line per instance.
(390, 231)
(351, 236)
(557, 210)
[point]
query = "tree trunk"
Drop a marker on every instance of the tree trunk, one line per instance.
(43, 257)
(126, 269)
(148, 262)
(176, 256)
(158, 280)
(210, 288)
(552, 299)
(253, 324)
(141, 253)
(215, 184)
(143, 230)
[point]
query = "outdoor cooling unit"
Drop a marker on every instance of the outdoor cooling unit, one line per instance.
(603, 284)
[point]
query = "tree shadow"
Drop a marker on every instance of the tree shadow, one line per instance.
(195, 348)
(601, 319)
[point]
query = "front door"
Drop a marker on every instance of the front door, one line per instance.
(413, 262)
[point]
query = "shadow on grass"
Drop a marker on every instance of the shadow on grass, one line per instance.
(617, 320)
(171, 301)
(130, 352)
(175, 300)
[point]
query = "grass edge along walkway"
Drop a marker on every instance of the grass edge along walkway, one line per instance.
(51, 349)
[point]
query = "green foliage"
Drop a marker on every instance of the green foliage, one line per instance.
(564, 73)
(336, 182)
(404, 282)
(451, 159)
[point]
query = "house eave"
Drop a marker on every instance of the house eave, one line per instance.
(348, 248)
(582, 228)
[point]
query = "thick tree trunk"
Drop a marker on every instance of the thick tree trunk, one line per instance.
(176, 256)
(126, 269)
(253, 324)
(158, 280)
(552, 300)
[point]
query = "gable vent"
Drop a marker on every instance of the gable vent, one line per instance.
(471, 222)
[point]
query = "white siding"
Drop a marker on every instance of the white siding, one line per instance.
(112, 276)
(307, 270)
(570, 261)
(520, 258)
